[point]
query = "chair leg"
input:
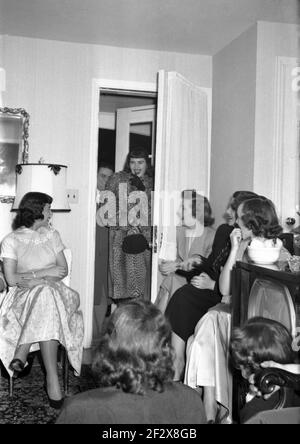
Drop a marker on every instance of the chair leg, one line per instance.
(66, 372)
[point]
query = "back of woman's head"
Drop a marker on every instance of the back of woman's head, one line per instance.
(135, 354)
(239, 197)
(31, 209)
(261, 339)
(259, 215)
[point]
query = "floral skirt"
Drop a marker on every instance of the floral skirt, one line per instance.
(43, 313)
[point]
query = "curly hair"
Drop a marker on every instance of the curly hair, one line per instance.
(135, 354)
(260, 339)
(138, 153)
(259, 216)
(239, 197)
(201, 208)
(31, 209)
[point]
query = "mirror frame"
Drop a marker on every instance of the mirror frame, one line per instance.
(23, 157)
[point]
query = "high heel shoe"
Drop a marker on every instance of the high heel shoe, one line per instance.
(17, 365)
(55, 404)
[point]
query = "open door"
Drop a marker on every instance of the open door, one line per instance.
(139, 119)
(182, 158)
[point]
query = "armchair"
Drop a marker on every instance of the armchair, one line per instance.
(265, 381)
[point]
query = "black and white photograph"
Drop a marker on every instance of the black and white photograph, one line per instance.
(149, 214)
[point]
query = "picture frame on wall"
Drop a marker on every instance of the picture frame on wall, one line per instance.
(14, 124)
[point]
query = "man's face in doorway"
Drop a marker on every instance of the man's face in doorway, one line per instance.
(102, 177)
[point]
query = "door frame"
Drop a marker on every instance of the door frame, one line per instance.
(281, 136)
(97, 85)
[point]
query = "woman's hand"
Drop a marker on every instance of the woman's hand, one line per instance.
(167, 267)
(292, 368)
(57, 271)
(235, 238)
(190, 263)
(30, 283)
(203, 282)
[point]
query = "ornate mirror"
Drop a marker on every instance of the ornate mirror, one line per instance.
(14, 123)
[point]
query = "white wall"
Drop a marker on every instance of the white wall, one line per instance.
(274, 39)
(244, 90)
(52, 80)
(233, 120)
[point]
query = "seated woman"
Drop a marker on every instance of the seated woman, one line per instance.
(190, 302)
(194, 242)
(259, 340)
(208, 349)
(38, 308)
(134, 367)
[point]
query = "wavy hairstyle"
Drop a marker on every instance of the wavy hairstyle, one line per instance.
(135, 354)
(201, 208)
(239, 197)
(259, 340)
(138, 153)
(31, 209)
(259, 216)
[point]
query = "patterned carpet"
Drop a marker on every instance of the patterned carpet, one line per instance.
(29, 403)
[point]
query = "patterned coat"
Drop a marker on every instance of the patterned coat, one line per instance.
(129, 274)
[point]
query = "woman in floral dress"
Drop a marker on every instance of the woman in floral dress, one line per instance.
(38, 311)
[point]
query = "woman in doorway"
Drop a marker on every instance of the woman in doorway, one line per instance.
(129, 274)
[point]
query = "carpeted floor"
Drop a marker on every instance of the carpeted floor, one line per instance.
(29, 403)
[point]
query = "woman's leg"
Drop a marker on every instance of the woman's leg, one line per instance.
(210, 403)
(162, 299)
(22, 352)
(179, 361)
(49, 355)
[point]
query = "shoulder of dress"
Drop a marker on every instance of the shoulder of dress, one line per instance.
(12, 235)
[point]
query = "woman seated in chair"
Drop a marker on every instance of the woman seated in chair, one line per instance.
(194, 239)
(134, 368)
(208, 349)
(257, 341)
(38, 308)
(190, 302)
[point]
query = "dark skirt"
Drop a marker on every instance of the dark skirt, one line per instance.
(187, 306)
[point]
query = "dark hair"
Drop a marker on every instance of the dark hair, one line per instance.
(31, 209)
(135, 354)
(106, 165)
(138, 153)
(200, 207)
(239, 197)
(259, 216)
(258, 340)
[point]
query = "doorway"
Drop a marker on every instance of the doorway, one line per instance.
(126, 121)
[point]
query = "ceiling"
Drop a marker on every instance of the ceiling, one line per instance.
(192, 26)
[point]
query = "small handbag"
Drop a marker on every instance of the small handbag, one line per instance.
(135, 243)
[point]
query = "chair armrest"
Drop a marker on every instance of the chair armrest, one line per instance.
(266, 379)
